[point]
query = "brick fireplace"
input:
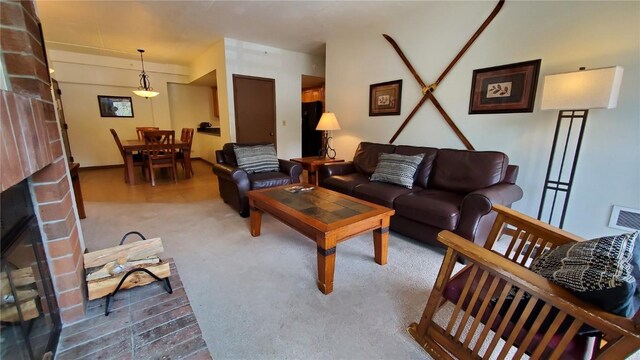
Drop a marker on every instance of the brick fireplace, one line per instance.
(32, 149)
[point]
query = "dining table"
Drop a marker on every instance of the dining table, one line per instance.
(133, 145)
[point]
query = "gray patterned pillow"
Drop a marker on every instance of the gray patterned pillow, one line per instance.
(257, 158)
(397, 169)
(598, 271)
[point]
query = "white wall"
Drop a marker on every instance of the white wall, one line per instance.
(565, 36)
(83, 77)
(190, 105)
(287, 68)
(210, 60)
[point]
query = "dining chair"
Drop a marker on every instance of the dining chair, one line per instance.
(137, 158)
(185, 137)
(141, 129)
(160, 152)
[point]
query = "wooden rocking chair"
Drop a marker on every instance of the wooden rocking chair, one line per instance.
(553, 324)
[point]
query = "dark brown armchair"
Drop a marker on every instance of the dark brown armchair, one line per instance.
(234, 183)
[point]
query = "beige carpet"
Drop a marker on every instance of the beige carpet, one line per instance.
(256, 298)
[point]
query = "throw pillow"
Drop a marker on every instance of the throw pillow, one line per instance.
(397, 169)
(257, 158)
(598, 271)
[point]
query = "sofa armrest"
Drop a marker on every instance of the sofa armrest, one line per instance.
(512, 174)
(233, 174)
(291, 168)
(332, 169)
(478, 204)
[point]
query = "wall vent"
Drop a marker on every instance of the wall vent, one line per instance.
(625, 218)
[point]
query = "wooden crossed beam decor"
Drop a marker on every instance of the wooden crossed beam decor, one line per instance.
(427, 90)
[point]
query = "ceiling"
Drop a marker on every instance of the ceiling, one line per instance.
(177, 32)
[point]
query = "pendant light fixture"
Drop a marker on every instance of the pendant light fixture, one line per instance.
(145, 90)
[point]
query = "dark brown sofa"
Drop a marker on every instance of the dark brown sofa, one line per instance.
(453, 189)
(234, 183)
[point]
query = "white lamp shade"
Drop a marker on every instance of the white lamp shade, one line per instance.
(328, 121)
(145, 93)
(581, 90)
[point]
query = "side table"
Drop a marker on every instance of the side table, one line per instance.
(311, 164)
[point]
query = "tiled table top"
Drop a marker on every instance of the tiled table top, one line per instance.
(144, 323)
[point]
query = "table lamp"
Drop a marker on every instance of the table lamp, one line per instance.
(579, 90)
(327, 123)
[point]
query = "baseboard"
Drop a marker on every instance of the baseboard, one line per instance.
(203, 160)
(102, 167)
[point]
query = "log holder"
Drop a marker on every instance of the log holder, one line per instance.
(166, 283)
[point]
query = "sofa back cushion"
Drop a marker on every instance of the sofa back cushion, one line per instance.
(424, 170)
(464, 171)
(366, 158)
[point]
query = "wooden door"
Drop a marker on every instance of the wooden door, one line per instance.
(255, 109)
(63, 124)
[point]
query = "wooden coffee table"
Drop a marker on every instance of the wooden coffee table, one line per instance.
(325, 216)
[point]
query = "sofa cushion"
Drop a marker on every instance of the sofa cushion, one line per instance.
(257, 158)
(366, 157)
(433, 207)
(345, 183)
(397, 169)
(268, 179)
(464, 171)
(381, 193)
(598, 271)
(424, 170)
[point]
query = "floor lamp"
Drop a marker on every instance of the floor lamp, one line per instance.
(328, 122)
(580, 90)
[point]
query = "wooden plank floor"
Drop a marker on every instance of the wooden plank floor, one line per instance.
(144, 323)
(107, 185)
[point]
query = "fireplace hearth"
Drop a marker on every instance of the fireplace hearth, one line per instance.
(29, 316)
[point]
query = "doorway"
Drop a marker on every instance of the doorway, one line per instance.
(254, 100)
(312, 109)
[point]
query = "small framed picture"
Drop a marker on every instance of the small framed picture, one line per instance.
(505, 88)
(115, 106)
(385, 98)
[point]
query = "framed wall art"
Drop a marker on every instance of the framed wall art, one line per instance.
(385, 98)
(115, 106)
(504, 89)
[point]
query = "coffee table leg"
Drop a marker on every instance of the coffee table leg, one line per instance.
(326, 266)
(381, 244)
(256, 220)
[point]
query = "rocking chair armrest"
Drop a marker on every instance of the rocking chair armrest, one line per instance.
(537, 224)
(518, 275)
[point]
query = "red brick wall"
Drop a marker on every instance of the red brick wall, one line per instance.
(32, 147)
